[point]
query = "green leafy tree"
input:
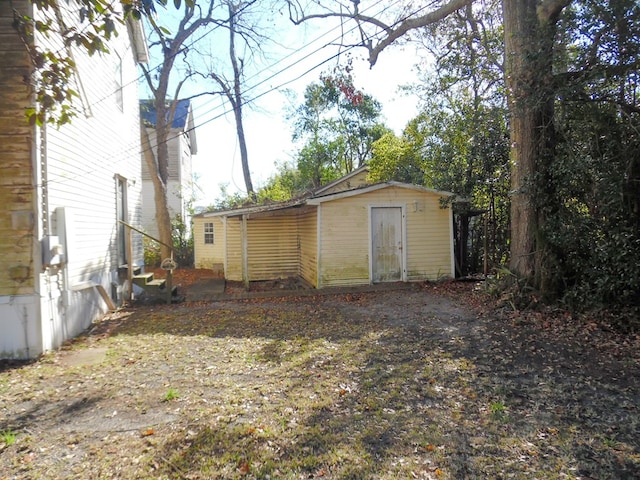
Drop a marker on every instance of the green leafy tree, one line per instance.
(399, 158)
(459, 142)
(551, 48)
(592, 188)
(227, 200)
(288, 182)
(338, 124)
(89, 25)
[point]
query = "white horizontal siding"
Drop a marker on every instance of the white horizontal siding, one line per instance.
(83, 160)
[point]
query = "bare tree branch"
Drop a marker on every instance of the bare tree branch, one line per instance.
(392, 32)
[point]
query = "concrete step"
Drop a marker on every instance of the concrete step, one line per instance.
(143, 279)
(158, 288)
(160, 283)
(124, 268)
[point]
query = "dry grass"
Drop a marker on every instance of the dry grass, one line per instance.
(386, 385)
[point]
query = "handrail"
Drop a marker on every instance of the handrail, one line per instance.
(147, 235)
(130, 270)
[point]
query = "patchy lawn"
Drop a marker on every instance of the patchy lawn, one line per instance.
(384, 385)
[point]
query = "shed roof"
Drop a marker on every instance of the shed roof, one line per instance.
(253, 209)
(317, 200)
(348, 176)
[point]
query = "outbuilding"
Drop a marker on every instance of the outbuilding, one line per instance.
(347, 233)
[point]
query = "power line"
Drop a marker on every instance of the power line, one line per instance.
(291, 65)
(136, 148)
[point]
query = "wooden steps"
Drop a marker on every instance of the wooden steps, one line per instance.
(154, 288)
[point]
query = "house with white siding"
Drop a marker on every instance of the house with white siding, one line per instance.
(346, 233)
(65, 190)
(182, 146)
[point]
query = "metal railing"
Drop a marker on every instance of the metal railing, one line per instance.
(171, 263)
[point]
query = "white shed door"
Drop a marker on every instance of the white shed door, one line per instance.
(386, 248)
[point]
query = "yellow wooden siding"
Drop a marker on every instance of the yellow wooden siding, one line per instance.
(429, 230)
(233, 242)
(307, 233)
(209, 255)
(272, 247)
(17, 193)
(345, 236)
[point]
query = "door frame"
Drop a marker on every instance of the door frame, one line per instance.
(122, 209)
(403, 224)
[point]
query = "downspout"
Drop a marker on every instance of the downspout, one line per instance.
(41, 227)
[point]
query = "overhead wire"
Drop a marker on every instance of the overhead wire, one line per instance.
(287, 67)
(137, 149)
(291, 65)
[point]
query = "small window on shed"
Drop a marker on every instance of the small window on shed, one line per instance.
(208, 233)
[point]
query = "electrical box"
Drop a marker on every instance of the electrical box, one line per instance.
(52, 251)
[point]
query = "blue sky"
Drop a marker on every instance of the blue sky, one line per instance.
(269, 133)
(293, 61)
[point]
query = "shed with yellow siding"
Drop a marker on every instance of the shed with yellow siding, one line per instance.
(387, 232)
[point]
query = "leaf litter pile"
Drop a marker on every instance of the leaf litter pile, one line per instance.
(396, 384)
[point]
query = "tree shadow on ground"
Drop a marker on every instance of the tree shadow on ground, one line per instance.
(362, 392)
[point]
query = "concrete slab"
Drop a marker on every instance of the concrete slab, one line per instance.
(207, 289)
(83, 358)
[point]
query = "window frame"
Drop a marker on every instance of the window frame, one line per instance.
(209, 233)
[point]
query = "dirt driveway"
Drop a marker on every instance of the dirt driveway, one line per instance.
(392, 384)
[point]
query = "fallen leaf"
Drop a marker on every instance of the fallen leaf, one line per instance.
(244, 468)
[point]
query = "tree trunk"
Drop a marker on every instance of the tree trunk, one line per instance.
(160, 194)
(237, 101)
(244, 154)
(528, 72)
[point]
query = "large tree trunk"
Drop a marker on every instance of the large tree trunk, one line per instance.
(237, 101)
(163, 217)
(528, 71)
(244, 154)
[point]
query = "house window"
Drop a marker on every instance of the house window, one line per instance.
(208, 233)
